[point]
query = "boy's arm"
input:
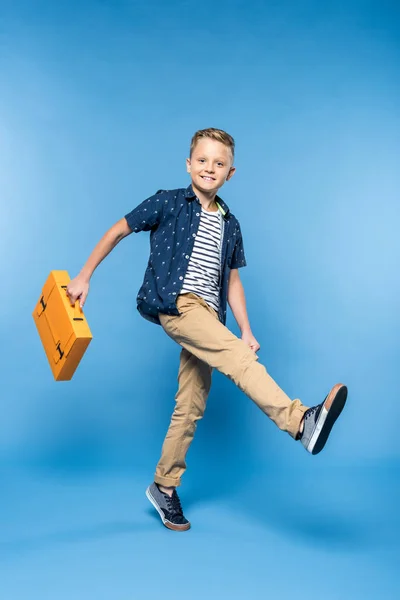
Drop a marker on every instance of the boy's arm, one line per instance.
(109, 240)
(237, 302)
(78, 288)
(145, 217)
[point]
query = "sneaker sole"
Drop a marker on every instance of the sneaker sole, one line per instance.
(335, 401)
(165, 521)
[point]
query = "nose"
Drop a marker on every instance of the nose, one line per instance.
(209, 169)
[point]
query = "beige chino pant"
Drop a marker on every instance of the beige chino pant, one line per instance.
(206, 345)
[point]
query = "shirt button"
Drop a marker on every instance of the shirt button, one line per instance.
(181, 277)
(187, 256)
(197, 214)
(193, 234)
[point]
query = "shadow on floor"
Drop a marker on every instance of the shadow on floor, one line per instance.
(23, 545)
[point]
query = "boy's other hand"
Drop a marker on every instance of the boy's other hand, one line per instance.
(250, 340)
(78, 289)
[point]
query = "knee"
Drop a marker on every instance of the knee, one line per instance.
(241, 364)
(189, 413)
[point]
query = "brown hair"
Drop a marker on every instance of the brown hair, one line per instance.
(214, 134)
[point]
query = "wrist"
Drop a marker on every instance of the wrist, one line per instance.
(85, 275)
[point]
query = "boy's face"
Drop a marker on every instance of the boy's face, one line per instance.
(210, 165)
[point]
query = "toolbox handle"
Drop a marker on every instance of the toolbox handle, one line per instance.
(78, 314)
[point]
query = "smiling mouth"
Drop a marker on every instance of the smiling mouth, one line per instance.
(207, 178)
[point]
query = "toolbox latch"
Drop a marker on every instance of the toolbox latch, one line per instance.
(59, 353)
(41, 306)
(63, 350)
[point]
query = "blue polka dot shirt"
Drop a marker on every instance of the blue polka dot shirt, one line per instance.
(173, 217)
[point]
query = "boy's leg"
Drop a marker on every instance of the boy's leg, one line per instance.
(194, 385)
(199, 331)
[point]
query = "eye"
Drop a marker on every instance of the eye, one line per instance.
(220, 164)
(201, 159)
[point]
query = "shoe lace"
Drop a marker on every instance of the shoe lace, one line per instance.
(309, 413)
(174, 504)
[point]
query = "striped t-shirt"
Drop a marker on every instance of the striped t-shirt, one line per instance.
(203, 272)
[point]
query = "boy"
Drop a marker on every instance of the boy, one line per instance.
(196, 250)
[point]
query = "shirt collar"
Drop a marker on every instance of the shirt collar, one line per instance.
(223, 207)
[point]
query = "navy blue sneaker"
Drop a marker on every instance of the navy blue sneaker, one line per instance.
(168, 507)
(319, 420)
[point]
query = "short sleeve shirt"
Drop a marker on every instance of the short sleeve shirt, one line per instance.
(172, 217)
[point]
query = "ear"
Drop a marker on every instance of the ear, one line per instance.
(231, 173)
(188, 165)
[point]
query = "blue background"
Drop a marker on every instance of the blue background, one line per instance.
(98, 103)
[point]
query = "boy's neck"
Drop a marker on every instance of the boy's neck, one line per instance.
(207, 200)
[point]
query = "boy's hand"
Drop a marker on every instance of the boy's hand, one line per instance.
(78, 288)
(250, 340)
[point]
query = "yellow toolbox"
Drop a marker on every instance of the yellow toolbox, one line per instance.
(63, 329)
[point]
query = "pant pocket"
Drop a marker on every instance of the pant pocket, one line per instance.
(186, 299)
